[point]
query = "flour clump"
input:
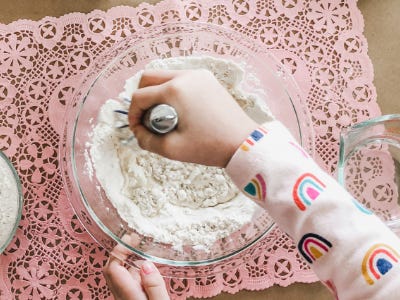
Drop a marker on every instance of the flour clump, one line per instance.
(171, 201)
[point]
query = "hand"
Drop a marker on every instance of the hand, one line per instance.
(133, 284)
(211, 124)
(145, 283)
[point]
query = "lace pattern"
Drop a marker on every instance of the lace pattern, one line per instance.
(41, 66)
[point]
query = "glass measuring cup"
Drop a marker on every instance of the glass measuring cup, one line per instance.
(369, 166)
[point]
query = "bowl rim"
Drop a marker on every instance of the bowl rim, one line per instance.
(353, 137)
(196, 27)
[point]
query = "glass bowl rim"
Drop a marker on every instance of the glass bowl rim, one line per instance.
(228, 32)
(370, 122)
(347, 132)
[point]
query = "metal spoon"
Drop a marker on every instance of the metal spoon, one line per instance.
(159, 119)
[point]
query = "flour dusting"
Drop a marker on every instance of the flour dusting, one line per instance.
(8, 202)
(171, 201)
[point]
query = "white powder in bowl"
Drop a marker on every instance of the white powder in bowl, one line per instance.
(170, 201)
(9, 203)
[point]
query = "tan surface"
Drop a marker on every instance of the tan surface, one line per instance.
(383, 35)
(382, 31)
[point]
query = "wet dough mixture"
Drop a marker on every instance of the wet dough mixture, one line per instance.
(170, 201)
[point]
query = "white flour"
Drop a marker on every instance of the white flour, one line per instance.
(171, 201)
(8, 202)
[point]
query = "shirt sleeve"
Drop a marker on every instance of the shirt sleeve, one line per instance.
(348, 247)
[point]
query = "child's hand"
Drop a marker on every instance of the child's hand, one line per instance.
(211, 124)
(132, 284)
(142, 283)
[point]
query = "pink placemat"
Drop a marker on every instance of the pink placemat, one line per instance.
(41, 66)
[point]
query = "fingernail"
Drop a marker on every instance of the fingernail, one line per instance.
(148, 268)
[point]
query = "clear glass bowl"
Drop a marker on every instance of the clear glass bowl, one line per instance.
(106, 80)
(13, 213)
(369, 166)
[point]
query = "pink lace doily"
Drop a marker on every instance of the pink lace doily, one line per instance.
(41, 65)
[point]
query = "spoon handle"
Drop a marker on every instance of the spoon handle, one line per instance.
(160, 119)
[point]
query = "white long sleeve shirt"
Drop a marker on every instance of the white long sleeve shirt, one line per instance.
(348, 247)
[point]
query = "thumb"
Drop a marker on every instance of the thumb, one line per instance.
(152, 282)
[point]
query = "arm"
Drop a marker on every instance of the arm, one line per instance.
(347, 246)
(350, 249)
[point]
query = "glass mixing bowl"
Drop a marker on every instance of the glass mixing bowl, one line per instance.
(369, 166)
(10, 215)
(106, 79)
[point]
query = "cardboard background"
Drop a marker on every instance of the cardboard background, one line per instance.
(382, 30)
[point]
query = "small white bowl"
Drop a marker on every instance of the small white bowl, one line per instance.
(9, 225)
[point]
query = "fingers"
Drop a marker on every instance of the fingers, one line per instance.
(123, 284)
(150, 92)
(152, 282)
(148, 140)
(122, 252)
(135, 273)
(156, 77)
(142, 100)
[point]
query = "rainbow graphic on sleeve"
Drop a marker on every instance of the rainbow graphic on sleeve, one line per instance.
(306, 189)
(256, 188)
(254, 137)
(378, 260)
(313, 246)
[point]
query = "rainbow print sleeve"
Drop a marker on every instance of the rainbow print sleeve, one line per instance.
(348, 247)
